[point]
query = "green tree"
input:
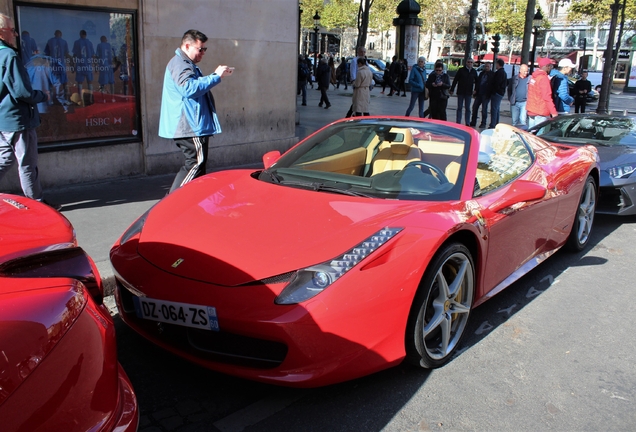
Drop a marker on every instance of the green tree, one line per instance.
(309, 8)
(339, 14)
(600, 12)
(381, 18)
(508, 16)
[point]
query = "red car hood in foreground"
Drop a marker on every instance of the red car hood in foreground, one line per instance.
(229, 228)
(29, 226)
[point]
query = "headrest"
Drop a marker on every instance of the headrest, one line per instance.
(400, 148)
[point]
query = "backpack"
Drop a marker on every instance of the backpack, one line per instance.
(303, 72)
(554, 86)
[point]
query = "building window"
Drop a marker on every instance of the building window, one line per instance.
(554, 9)
(84, 58)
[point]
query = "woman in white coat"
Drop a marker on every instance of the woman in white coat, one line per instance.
(362, 89)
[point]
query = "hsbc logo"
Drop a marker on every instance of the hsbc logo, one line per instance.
(107, 121)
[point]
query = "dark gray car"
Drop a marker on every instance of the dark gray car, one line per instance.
(615, 138)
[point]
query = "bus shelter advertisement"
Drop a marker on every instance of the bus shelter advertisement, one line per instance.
(84, 60)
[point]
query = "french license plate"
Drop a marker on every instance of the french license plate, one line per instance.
(183, 314)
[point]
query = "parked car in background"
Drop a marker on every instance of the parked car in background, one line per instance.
(378, 75)
(615, 138)
(58, 361)
(592, 96)
(377, 63)
(366, 244)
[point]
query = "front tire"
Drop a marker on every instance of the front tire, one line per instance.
(584, 218)
(441, 307)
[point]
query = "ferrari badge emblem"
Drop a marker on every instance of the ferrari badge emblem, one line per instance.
(177, 263)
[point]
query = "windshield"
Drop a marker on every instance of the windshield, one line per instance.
(598, 130)
(379, 158)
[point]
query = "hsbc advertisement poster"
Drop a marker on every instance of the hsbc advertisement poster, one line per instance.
(85, 60)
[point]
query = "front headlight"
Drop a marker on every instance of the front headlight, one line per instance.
(134, 229)
(621, 171)
(311, 281)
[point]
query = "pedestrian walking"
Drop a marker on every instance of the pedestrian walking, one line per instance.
(518, 96)
(581, 88)
(323, 78)
(482, 96)
(332, 72)
(18, 115)
(465, 81)
(438, 84)
(303, 75)
(342, 72)
(362, 53)
(417, 80)
(540, 105)
(499, 84)
(394, 73)
(386, 77)
(404, 72)
(362, 88)
(560, 89)
(188, 112)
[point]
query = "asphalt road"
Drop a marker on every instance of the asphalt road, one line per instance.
(555, 351)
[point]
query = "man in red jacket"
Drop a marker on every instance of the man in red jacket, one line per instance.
(540, 105)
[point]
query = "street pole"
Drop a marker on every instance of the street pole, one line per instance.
(535, 32)
(527, 31)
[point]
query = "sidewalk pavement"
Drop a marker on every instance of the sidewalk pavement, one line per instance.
(101, 212)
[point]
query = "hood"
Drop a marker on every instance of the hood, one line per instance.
(28, 226)
(616, 155)
(34, 316)
(229, 229)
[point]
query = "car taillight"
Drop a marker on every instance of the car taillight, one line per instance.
(71, 262)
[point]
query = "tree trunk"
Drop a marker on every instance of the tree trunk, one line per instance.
(363, 22)
(608, 72)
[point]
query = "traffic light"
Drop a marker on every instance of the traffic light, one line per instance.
(495, 44)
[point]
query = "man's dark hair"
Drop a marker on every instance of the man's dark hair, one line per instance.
(193, 36)
(500, 62)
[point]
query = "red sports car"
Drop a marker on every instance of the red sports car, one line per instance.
(58, 360)
(366, 244)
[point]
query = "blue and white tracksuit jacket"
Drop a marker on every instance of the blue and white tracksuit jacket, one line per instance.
(187, 105)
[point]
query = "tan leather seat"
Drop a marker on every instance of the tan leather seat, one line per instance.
(452, 171)
(395, 157)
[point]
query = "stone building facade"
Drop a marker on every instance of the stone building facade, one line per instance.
(108, 132)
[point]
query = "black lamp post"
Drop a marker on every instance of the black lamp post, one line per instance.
(537, 22)
(316, 28)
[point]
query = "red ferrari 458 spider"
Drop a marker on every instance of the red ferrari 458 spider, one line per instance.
(58, 360)
(366, 244)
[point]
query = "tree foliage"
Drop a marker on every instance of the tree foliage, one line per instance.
(599, 11)
(508, 17)
(339, 14)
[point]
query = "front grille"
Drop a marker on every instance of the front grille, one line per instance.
(614, 201)
(221, 347)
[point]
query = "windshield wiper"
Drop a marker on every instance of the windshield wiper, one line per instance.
(317, 186)
(273, 176)
(322, 187)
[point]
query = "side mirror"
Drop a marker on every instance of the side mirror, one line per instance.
(270, 158)
(519, 191)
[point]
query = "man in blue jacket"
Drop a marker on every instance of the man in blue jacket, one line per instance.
(188, 114)
(18, 115)
(560, 89)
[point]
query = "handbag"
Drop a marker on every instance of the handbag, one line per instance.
(425, 88)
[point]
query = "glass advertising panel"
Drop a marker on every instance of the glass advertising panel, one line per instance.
(84, 58)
